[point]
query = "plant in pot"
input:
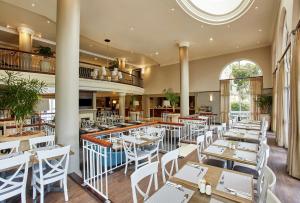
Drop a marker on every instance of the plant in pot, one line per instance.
(264, 102)
(19, 96)
(45, 62)
(172, 97)
(114, 68)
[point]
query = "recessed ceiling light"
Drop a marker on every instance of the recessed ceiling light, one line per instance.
(259, 30)
(39, 35)
(256, 7)
(48, 21)
(131, 28)
(228, 26)
(8, 26)
(33, 4)
(95, 58)
(172, 9)
(156, 53)
(211, 39)
(202, 26)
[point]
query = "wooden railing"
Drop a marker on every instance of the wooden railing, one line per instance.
(16, 60)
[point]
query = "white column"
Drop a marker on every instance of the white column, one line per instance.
(25, 39)
(67, 78)
(184, 78)
(122, 104)
(95, 104)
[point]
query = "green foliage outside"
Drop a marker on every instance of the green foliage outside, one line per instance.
(19, 95)
(235, 106)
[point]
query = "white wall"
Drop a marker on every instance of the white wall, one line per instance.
(205, 73)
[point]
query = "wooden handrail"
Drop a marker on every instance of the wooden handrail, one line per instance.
(92, 136)
(26, 52)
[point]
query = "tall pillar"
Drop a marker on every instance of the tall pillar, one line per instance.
(184, 78)
(122, 63)
(95, 104)
(67, 78)
(25, 39)
(122, 104)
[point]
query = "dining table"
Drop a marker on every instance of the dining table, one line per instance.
(230, 154)
(140, 139)
(247, 126)
(245, 135)
(252, 147)
(226, 186)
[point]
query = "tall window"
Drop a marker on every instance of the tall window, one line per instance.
(239, 74)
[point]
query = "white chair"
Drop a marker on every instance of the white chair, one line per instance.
(49, 172)
(43, 141)
(132, 153)
(200, 147)
(271, 197)
(153, 149)
(15, 182)
(208, 138)
(224, 125)
(143, 172)
(12, 146)
(172, 157)
(203, 159)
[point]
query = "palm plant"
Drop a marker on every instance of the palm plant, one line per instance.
(19, 96)
(172, 97)
(265, 103)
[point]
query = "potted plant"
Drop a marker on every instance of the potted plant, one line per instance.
(172, 97)
(19, 96)
(264, 102)
(47, 53)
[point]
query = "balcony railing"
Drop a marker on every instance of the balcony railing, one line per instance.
(15, 60)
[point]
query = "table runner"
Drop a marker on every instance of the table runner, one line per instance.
(170, 192)
(238, 182)
(191, 173)
(215, 149)
(244, 155)
(247, 146)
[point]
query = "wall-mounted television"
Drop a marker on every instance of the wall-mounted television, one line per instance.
(85, 102)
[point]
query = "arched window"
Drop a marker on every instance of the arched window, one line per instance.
(240, 69)
(245, 84)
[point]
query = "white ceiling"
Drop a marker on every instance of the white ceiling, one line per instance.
(149, 26)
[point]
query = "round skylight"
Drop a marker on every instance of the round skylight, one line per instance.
(215, 11)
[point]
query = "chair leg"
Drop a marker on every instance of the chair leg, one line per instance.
(136, 164)
(33, 192)
(23, 196)
(42, 194)
(61, 183)
(126, 166)
(66, 189)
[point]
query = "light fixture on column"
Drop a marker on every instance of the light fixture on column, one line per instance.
(211, 98)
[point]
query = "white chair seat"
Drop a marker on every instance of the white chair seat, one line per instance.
(142, 153)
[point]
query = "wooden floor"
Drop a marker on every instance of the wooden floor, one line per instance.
(287, 188)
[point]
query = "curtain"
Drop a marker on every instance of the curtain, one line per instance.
(281, 134)
(255, 93)
(294, 124)
(225, 100)
(274, 105)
